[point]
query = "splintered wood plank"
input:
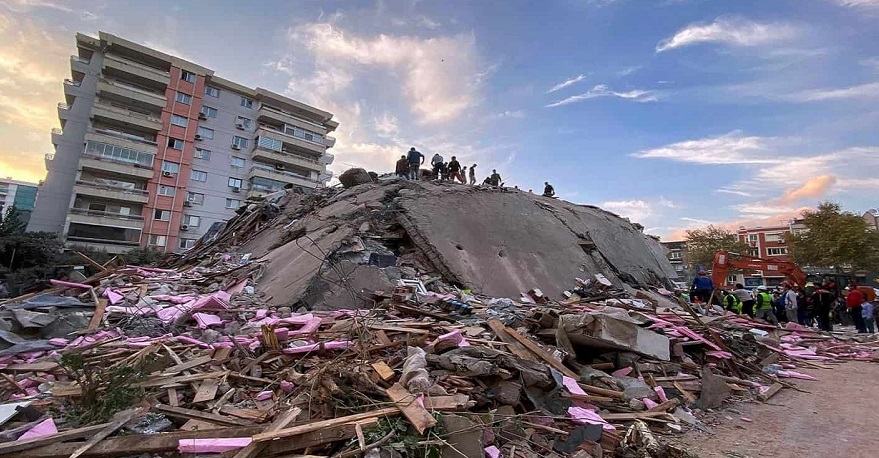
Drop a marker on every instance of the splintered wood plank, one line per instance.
(280, 422)
(207, 391)
(326, 424)
(190, 414)
(100, 309)
(191, 364)
(383, 370)
(17, 446)
(540, 353)
(172, 397)
(412, 410)
(119, 420)
(514, 347)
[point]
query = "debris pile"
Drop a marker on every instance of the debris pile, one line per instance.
(238, 348)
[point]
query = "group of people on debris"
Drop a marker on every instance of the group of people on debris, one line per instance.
(409, 167)
(821, 305)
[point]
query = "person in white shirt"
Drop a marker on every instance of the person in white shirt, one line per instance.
(790, 303)
(436, 162)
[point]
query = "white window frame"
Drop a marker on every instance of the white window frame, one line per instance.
(198, 175)
(247, 122)
(232, 160)
(209, 112)
(163, 215)
(188, 220)
(247, 102)
(172, 167)
(190, 197)
(201, 153)
(164, 191)
(232, 182)
(782, 251)
(240, 141)
(179, 121)
(212, 91)
(155, 239)
(233, 207)
(204, 132)
(186, 244)
(753, 238)
(185, 99)
(185, 76)
(172, 143)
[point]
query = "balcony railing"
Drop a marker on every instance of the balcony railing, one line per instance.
(81, 60)
(50, 156)
(132, 87)
(63, 106)
(284, 113)
(104, 241)
(289, 154)
(108, 187)
(128, 112)
(87, 212)
(282, 173)
(71, 82)
(126, 61)
(272, 130)
(105, 158)
(124, 136)
(57, 131)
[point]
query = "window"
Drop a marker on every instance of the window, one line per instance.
(179, 121)
(233, 203)
(246, 103)
(187, 76)
(753, 238)
(203, 154)
(157, 240)
(777, 237)
(269, 143)
(237, 162)
(243, 122)
(169, 191)
(211, 91)
(731, 279)
(303, 134)
(776, 251)
(183, 98)
(170, 167)
(195, 197)
(191, 220)
(754, 252)
(208, 112)
(118, 153)
(241, 142)
(162, 215)
(175, 143)
(235, 183)
(198, 175)
(186, 244)
(204, 132)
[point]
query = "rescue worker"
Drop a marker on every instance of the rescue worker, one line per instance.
(435, 163)
(415, 159)
(548, 190)
(473, 174)
(746, 299)
(823, 301)
(495, 178)
(702, 287)
(455, 170)
(789, 300)
(763, 303)
(402, 168)
(732, 303)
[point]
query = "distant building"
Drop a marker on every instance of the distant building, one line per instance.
(767, 242)
(676, 252)
(21, 194)
(153, 149)
(871, 216)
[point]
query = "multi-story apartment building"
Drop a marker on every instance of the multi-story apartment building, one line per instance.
(677, 253)
(154, 149)
(20, 194)
(768, 243)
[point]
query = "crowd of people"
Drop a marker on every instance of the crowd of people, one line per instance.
(409, 167)
(821, 305)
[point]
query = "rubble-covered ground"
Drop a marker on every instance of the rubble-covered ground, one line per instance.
(391, 320)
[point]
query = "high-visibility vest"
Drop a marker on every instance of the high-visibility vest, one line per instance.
(764, 301)
(733, 303)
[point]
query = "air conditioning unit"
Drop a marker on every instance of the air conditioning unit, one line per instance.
(239, 125)
(187, 203)
(236, 189)
(279, 166)
(167, 174)
(202, 116)
(184, 227)
(235, 147)
(197, 137)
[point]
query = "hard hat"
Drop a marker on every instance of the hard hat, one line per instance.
(810, 285)
(762, 288)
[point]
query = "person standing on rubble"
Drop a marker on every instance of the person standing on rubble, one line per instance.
(702, 287)
(789, 299)
(495, 178)
(402, 169)
(746, 299)
(455, 170)
(436, 164)
(854, 303)
(472, 174)
(415, 160)
(548, 190)
(731, 302)
(763, 304)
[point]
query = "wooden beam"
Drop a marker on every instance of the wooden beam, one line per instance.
(189, 414)
(515, 347)
(191, 364)
(775, 388)
(119, 420)
(541, 353)
(318, 425)
(412, 410)
(281, 422)
(79, 433)
(207, 391)
(383, 370)
(90, 261)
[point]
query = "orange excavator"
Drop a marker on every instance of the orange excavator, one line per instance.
(724, 261)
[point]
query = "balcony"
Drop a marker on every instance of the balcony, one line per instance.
(327, 158)
(114, 166)
(292, 142)
(278, 157)
(63, 111)
(132, 94)
(272, 114)
(88, 188)
(100, 218)
(79, 64)
(57, 135)
(122, 139)
(283, 176)
(142, 74)
(114, 114)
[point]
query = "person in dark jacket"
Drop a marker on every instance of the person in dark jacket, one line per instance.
(823, 301)
(548, 190)
(415, 160)
(455, 170)
(402, 169)
(473, 174)
(702, 287)
(495, 178)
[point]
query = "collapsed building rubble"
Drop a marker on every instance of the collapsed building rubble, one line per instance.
(351, 324)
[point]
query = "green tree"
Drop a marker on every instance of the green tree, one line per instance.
(703, 243)
(11, 223)
(835, 239)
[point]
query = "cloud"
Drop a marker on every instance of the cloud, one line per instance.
(872, 62)
(859, 4)
(733, 192)
(386, 124)
(566, 83)
(637, 210)
(516, 114)
(635, 95)
(629, 70)
(23, 6)
(731, 32)
(440, 75)
(779, 218)
(427, 23)
(859, 92)
(813, 188)
(732, 148)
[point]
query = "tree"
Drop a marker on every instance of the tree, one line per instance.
(11, 223)
(703, 243)
(835, 239)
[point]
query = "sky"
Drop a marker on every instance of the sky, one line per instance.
(673, 113)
